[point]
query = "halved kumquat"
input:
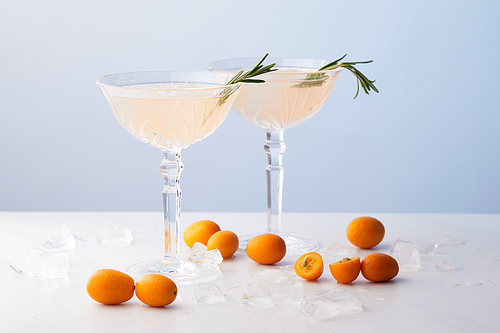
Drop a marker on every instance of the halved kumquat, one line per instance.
(346, 270)
(309, 266)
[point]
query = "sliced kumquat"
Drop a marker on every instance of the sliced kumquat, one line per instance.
(309, 266)
(346, 270)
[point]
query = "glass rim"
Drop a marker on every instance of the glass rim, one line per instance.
(217, 85)
(271, 60)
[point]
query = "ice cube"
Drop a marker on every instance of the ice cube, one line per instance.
(289, 296)
(200, 255)
(234, 293)
(337, 251)
(442, 240)
(407, 255)
(273, 278)
(188, 271)
(445, 265)
(113, 236)
(257, 297)
(429, 250)
(274, 287)
(208, 293)
(84, 239)
(445, 240)
(61, 240)
(38, 263)
(329, 304)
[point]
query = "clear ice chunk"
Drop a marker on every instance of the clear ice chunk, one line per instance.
(200, 255)
(113, 236)
(187, 272)
(84, 239)
(257, 297)
(61, 240)
(337, 251)
(38, 263)
(429, 250)
(445, 265)
(329, 304)
(269, 287)
(289, 296)
(446, 240)
(273, 278)
(208, 293)
(274, 288)
(407, 255)
(187, 268)
(442, 240)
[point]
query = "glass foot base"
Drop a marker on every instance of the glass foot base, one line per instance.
(296, 245)
(183, 273)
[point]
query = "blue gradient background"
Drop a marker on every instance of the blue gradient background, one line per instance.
(429, 142)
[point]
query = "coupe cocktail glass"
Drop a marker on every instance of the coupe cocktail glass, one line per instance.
(289, 96)
(170, 110)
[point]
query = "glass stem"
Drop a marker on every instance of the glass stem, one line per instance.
(274, 147)
(171, 168)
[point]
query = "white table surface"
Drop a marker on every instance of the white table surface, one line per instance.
(429, 300)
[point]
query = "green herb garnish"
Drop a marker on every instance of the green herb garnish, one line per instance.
(257, 70)
(246, 77)
(319, 78)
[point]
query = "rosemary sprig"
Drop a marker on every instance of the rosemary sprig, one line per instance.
(362, 80)
(257, 70)
(247, 77)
